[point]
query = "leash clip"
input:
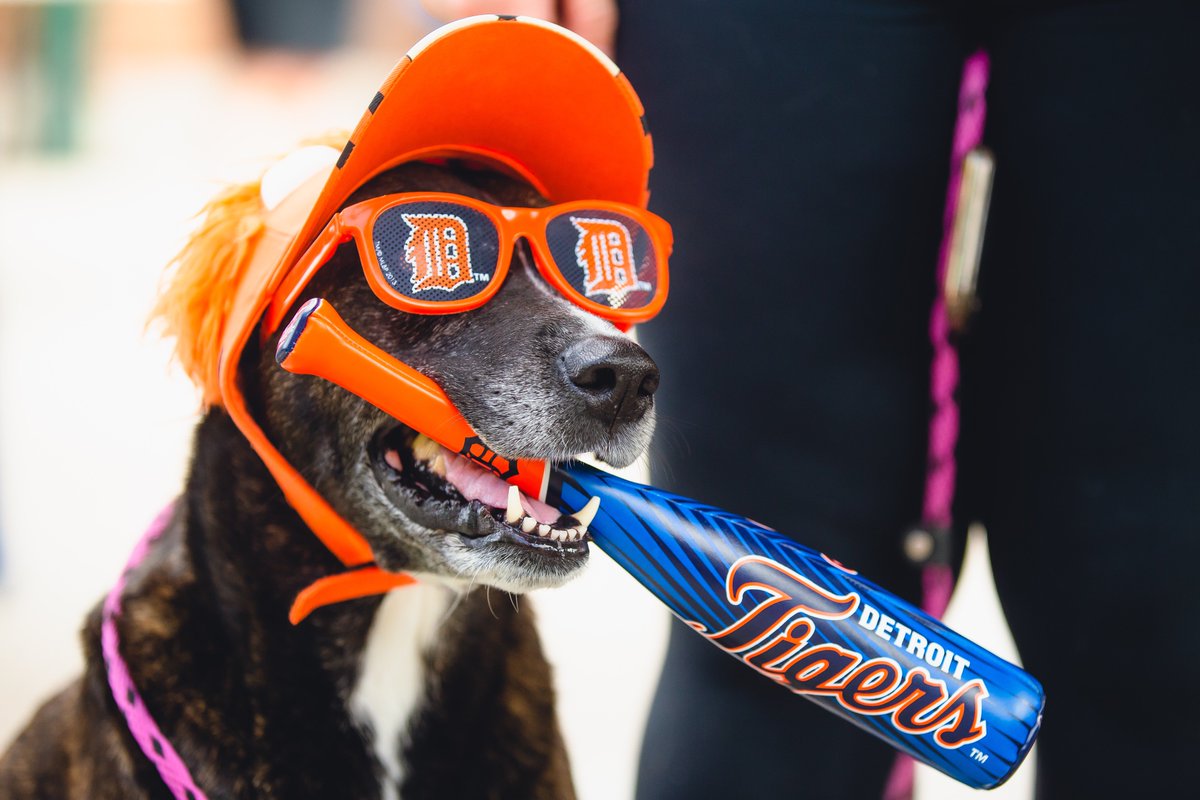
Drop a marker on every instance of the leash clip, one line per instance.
(928, 545)
(966, 236)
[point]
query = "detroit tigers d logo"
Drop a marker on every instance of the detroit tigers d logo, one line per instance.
(605, 252)
(439, 251)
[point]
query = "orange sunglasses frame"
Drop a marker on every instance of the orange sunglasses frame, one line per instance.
(357, 222)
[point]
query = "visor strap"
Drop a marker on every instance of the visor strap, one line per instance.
(362, 582)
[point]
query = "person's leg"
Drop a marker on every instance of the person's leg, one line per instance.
(801, 156)
(290, 26)
(1082, 381)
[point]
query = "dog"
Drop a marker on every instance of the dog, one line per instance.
(435, 690)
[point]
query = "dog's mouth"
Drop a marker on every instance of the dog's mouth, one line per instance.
(442, 491)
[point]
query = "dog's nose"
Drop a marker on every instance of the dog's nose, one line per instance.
(616, 378)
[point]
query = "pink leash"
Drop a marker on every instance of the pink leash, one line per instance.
(937, 578)
(155, 746)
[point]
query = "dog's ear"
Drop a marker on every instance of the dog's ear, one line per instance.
(198, 293)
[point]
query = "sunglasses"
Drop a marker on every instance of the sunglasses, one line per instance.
(438, 253)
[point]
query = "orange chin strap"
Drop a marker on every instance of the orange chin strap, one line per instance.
(364, 579)
(363, 582)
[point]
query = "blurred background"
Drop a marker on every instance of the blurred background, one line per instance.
(118, 119)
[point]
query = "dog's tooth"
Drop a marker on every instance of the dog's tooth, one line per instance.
(586, 514)
(514, 513)
(439, 466)
(543, 529)
(425, 448)
(571, 534)
(529, 524)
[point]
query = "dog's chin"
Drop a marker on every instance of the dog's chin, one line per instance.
(472, 528)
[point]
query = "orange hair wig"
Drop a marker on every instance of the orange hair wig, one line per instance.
(197, 293)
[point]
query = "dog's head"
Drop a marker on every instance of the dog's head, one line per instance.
(535, 375)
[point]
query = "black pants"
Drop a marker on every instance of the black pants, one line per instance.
(802, 156)
(301, 26)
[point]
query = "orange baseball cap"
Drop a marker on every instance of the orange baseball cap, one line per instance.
(517, 93)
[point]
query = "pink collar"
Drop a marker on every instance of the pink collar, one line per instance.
(155, 746)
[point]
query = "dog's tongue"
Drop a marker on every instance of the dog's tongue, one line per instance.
(476, 483)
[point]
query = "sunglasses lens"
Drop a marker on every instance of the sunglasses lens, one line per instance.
(435, 251)
(607, 257)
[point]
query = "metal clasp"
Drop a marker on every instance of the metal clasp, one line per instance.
(966, 236)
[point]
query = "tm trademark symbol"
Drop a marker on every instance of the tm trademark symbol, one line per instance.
(979, 756)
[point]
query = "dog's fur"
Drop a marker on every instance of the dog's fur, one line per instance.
(440, 690)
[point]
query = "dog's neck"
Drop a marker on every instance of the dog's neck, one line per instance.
(205, 627)
(390, 686)
(324, 708)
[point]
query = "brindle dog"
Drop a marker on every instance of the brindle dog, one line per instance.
(447, 695)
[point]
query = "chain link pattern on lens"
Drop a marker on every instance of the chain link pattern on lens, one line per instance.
(435, 250)
(607, 257)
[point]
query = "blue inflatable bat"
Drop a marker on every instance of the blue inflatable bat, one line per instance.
(795, 616)
(817, 628)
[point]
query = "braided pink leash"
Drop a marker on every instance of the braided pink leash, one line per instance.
(937, 578)
(145, 731)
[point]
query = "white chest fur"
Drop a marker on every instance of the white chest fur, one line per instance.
(391, 677)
